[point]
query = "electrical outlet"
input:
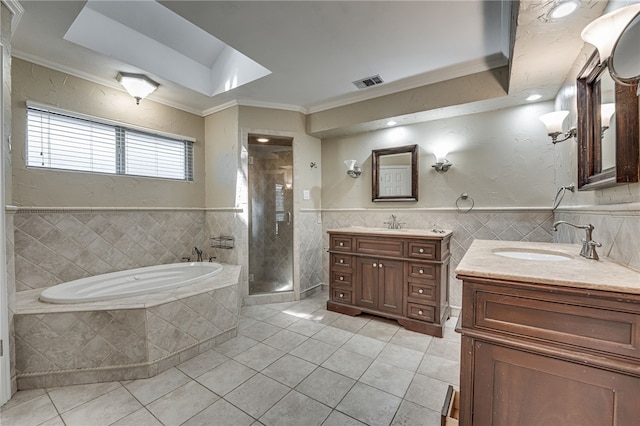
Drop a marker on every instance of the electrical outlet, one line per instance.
(306, 194)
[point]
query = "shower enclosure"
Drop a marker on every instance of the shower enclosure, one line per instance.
(270, 180)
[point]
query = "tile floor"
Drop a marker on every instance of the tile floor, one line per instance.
(292, 363)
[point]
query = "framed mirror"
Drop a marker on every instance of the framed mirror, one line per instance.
(608, 128)
(395, 174)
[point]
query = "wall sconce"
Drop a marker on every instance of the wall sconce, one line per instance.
(138, 85)
(553, 122)
(353, 169)
(606, 112)
(442, 164)
(615, 35)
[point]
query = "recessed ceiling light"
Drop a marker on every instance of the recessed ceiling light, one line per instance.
(533, 97)
(563, 9)
(391, 123)
(263, 140)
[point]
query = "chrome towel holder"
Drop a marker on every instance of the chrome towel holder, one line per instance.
(465, 196)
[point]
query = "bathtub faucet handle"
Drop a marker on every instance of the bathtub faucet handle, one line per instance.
(198, 253)
(186, 259)
(211, 258)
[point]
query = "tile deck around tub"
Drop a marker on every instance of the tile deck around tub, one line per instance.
(292, 363)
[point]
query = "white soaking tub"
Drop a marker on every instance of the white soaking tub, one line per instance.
(132, 282)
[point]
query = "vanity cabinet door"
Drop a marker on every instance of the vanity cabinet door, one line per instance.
(390, 285)
(366, 285)
(513, 387)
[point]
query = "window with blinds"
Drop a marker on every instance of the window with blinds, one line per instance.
(62, 141)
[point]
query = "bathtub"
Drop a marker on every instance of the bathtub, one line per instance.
(131, 282)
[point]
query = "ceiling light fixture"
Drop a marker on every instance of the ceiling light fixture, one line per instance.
(533, 97)
(563, 9)
(263, 140)
(138, 85)
(391, 123)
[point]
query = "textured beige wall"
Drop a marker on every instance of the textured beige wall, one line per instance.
(500, 158)
(222, 156)
(37, 187)
(5, 24)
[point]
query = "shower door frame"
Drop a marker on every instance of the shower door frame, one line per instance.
(5, 366)
(244, 203)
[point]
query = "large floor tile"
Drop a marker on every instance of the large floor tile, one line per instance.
(138, 418)
(296, 409)
(226, 377)
(336, 418)
(183, 403)
(347, 363)
(427, 392)
(448, 349)
(282, 320)
(30, 412)
(67, 397)
(220, 413)
(380, 329)
(388, 378)
(259, 356)
(326, 386)
(323, 316)
(446, 370)
(314, 351)
(235, 346)
(415, 415)
(257, 312)
(333, 336)
(289, 370)
(369, 405)
(103, 410)
(202, 363)
(363, 345)
(401, 357)
(349, 323)
(285, 340)
(411, 340)
(257, 395)
(21, 397)
(147, 390)
(260, 331)
(306, 327)
(56, 421)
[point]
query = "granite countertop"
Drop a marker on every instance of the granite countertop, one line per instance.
(578, 272)
(404, 232)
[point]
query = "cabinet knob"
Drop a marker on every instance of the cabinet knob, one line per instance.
(421, 291)
(380, 265)
(341, 278)
(341, 295)
(421, 250)
(421, 271)
(419, 312)
(341, 244)
(375, 265)
(341, 260)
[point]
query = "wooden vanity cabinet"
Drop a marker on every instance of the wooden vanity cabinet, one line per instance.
(537, 354)
(405, 278)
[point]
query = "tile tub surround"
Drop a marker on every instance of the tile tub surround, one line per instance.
(128, 338)
(269, 371)
(509, 224)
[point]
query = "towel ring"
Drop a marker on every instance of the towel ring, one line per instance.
(465, 196)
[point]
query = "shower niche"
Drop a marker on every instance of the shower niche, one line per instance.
(270, 187)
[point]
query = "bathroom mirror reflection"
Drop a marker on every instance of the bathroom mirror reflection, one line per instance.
(395, 174)
(608, 128)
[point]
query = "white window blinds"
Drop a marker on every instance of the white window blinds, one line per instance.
(61, 141)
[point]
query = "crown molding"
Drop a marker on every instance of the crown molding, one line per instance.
(16, 10)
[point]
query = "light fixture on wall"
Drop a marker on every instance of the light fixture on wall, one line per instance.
(442, 164)
(138, 85)
(553, 122)
(606, 112)
(353, 169)
(615, 35)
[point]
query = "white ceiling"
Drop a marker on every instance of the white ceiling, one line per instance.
(316, 49)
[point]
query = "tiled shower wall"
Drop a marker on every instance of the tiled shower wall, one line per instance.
(11, 295)
(309, 249)
(54, 246)
(617, 228)
(508, 225)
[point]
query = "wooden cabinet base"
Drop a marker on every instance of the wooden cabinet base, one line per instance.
(410, 324)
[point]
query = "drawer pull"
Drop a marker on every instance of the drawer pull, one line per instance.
(341, 295)
(375, 265)
(341, 244)
(341, 278)
(421, 271)
(419, 312)
(421, 291)
(341, 260)
(421, 250)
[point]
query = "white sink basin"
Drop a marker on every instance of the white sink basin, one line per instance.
(533, 254)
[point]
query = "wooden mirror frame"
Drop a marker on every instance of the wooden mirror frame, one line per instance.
(627, 122)
(375, 168)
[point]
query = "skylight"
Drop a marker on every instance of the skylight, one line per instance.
(151, 37)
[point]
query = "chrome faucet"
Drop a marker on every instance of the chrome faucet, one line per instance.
(588, 245)
(394, 224)
(198, 253)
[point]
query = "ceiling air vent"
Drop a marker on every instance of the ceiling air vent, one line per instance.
(368, 82)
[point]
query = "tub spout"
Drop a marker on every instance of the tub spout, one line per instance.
(198, 253)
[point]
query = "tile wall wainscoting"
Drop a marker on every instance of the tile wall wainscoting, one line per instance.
(506, 224)
(11, 295)
(617, 228)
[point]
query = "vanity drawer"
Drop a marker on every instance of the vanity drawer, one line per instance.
(341, 243)
(379, 246)
(421, 312)
(423, 291)
(586, 323)
(423, 250)
(339, 259)
(341, 277)
(423, 271)
(341, 296)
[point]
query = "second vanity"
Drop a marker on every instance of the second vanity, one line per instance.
(548, 337)
(400, 274)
